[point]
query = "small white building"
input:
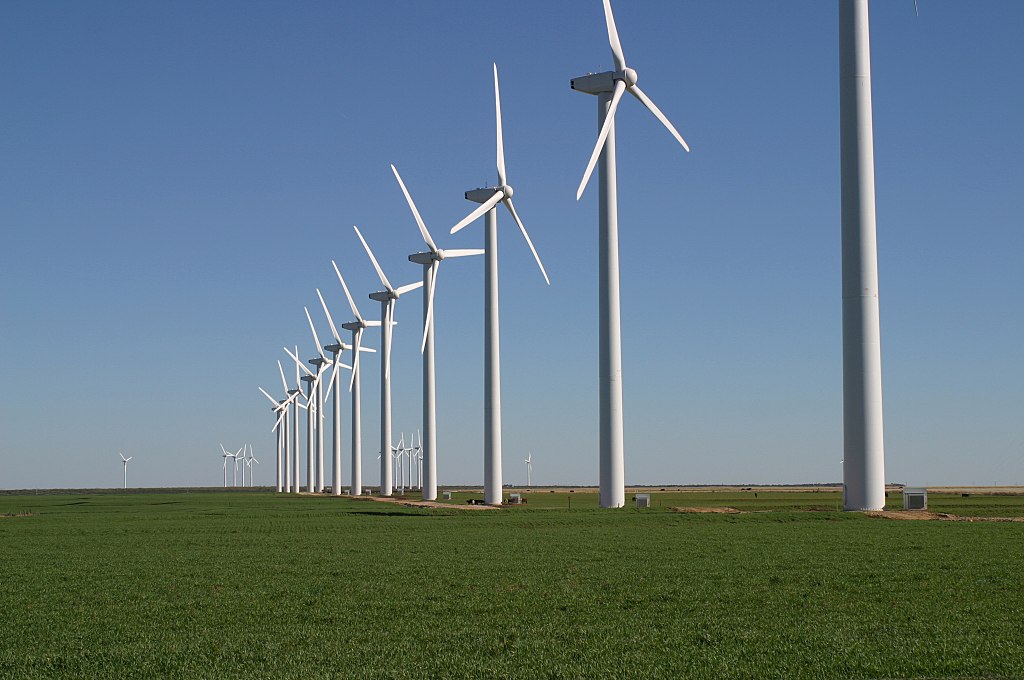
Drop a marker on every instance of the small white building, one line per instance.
(915, 498)
(643, 500)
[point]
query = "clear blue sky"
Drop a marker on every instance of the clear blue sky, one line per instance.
(176, 177)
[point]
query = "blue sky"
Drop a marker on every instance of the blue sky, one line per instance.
(176, 178)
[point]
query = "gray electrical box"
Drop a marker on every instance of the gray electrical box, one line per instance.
(915, 498)
(643, 500)
(447, 495)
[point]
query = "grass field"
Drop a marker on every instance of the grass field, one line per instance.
(255, 585)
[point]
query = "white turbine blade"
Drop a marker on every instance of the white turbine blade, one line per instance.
(330, 321)
(122, 455)
(380, 272)
(415, 213)
(334, 378)
(316, 338)
(613, 37)
(463, 252)
(355, 361)
(646, 101)
(284, 412)
(283, 381)
(609, 120)
(128, 458)
(402, 290)
(522, 228)
(272, 400)
(351, 302)
(916, 13)
(298, 362)
(434, 267)
(368, 349)
(497, 117)
(484, 207)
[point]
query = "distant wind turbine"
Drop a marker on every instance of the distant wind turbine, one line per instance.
(125, 461)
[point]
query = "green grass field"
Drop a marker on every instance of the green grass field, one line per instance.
(254, 585)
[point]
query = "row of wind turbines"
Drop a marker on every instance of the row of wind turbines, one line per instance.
(863, 453)
(245, 455)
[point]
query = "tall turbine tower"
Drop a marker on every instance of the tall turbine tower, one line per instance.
(609, 88)
(863, 446)
(125, 461)
(335, 349)
(387, 299)
(431, 263)
(356, 327)
(489, 199)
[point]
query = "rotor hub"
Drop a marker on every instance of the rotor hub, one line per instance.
(507, 190)
(629, 76)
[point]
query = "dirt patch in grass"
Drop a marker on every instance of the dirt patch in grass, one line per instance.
(942, 516)
(422, 504)
(725, 510)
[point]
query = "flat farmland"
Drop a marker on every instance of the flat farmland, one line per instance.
(258, 585)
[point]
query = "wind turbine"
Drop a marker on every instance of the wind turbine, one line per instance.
(529, 470)
(293, 473)
(431, 263)
(335, 349)
(387, 299)
(311, 415)
(356, 327)
(609, 88)
(489, 199)
(252, 459)
(322, 363)
(280, 409)
(225, 455)
(291, 428)
(234, 474)
(125, 461)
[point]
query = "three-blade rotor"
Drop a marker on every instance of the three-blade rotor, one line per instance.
(503, 192)
(437, 255)
(393, 295)
(358, 333)
(625, 81)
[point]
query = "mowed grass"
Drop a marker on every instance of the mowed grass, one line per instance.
(257, 585)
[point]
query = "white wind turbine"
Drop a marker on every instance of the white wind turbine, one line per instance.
(280, 409)
(387, 299)
(225, 455)
(431, 263)
(489, 199)
(609, 88)
(249, 461)
(312, 414)
(356, 327)
(292, 474)
(322, 363)
(529, 470)
(336, 349)
(125, 461)
(291, 433)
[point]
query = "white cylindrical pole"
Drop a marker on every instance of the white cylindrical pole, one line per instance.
(280, 449)
(319, 437)
(357, 442)
(492, 364)
(310, 433)
(126, 475)
(295, 444)
(336, 442)
(429, 442)
(612, 466)
(863, 445)
(385, 404)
